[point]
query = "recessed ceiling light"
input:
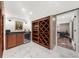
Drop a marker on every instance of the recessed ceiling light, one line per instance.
(23, 9)
(63, 16)
(30, 13)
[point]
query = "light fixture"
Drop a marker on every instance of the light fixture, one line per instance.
(23, 9)
(30, 13)
(63, 16)
(53, 19)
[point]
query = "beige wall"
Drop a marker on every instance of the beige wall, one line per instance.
(64, 27)
(52, 32)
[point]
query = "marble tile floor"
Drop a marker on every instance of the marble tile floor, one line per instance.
(64, 42)
(33, 50)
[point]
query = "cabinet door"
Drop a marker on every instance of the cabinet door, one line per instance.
(19, 38)
(11, 40)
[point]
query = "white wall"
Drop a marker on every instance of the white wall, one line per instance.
(77, 30)
(65, 18)
(11, 24)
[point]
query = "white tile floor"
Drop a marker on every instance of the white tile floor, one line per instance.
(33, 50)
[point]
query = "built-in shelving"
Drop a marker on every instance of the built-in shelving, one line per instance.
(41, 31)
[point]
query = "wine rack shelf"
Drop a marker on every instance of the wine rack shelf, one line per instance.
(41, 31)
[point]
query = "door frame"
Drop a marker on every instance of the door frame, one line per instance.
(69, 24)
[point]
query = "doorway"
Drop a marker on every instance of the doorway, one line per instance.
(65, 34)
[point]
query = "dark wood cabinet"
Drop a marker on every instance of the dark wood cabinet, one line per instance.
(14, 39)
(44, 32)
(41, 31)
(19, 38)
(11, 40)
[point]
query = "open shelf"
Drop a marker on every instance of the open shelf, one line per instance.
(35, 30)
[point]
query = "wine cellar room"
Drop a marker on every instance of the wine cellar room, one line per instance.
(36, 29)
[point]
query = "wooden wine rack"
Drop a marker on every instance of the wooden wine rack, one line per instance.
(41, 31)
(35, 30)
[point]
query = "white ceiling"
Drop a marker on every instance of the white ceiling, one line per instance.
(38, 8)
